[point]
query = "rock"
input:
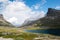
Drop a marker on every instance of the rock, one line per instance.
(52, 19)
(1, 38)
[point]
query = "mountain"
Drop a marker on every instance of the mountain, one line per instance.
(3, 22)
(28, 22)
(31, 23)
(52, 19)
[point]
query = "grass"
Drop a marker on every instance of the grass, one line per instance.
(16, 33)
(19, 34)
(34, 28)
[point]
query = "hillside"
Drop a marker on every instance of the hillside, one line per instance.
(3, 22)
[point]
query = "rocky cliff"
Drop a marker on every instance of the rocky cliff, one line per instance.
(52, 19)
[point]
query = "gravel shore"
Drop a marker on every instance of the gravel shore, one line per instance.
(1, 38)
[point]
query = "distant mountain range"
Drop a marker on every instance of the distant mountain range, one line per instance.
(3, 22)
(51, 20)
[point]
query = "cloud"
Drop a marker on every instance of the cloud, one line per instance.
(17, 12)
(40, 4)
(57, 7)
(13, 19)
(37, 6)
(43, 2)
(2, 4)
(37, 15)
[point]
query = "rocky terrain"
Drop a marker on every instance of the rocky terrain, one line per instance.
(1, 38)
(52, 19)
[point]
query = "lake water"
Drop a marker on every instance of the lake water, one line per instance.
(46, 31)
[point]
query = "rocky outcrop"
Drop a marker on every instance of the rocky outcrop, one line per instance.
(1, 38)
(53, 12)
(52, 19)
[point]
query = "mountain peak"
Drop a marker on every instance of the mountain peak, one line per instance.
(52, 19)
(53, 12)
(1, 16)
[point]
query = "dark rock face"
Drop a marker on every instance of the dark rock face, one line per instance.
(53, 12)
(3, 22)
(1, 16)
(52, 19)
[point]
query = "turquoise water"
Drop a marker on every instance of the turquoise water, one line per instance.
(46, 31)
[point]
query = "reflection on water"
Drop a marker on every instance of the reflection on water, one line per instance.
(46, 31)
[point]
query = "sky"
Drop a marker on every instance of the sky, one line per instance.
(18, 11)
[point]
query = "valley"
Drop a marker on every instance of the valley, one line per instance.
(45, 28)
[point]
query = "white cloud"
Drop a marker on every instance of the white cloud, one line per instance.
(40, 4)
(13, 19)
(36, 15)
(37, 6)
(57, 7)
(17, 12)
